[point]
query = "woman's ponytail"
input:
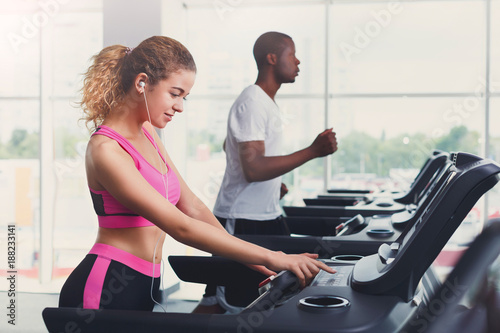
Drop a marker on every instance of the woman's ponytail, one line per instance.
(102, 88)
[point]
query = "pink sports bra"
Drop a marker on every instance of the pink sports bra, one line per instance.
(111, 213)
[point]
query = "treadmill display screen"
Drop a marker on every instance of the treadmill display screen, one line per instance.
(432, 183)
(409, 234)
(325, 279)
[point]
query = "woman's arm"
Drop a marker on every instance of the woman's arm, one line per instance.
(191, 205)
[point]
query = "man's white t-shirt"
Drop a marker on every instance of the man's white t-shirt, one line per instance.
(254, 116)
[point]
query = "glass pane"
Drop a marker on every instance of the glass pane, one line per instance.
(20, 50)
(225, 59)
(303, 121)
(388, 139)
(424, 46)
(70, 62)
(75, 223)
(19, 181)
(205, 134)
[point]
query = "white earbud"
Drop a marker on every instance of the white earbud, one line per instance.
(142, 84)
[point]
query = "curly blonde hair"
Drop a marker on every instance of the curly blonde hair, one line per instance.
(114, 69)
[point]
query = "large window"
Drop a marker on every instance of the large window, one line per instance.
(42, 144)
(402, 88)
(394, 84)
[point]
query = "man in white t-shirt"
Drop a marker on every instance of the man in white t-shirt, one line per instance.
(248, 200)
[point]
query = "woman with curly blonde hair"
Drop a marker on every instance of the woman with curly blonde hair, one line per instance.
(137, 192)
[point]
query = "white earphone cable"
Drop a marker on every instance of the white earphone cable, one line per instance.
(165, 185)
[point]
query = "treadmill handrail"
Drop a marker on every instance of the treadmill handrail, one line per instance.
(472, 265)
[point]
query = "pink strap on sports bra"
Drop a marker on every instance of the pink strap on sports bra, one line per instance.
(112, 214)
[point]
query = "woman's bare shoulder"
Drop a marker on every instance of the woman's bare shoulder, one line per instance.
(103, 151)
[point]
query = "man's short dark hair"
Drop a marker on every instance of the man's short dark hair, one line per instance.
(269, 42)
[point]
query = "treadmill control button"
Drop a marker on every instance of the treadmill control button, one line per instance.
(338, 279)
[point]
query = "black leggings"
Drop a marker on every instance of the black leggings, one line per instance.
(123, 288)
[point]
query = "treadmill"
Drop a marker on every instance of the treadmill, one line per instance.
(341, 197)
(344, 205)
(329, 226)
(375, 207)
(379, 293)
(356, 235)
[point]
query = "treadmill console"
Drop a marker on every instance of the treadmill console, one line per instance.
(398, 267)
(341, 278)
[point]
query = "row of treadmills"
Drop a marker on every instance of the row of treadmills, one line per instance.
(382, 246)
